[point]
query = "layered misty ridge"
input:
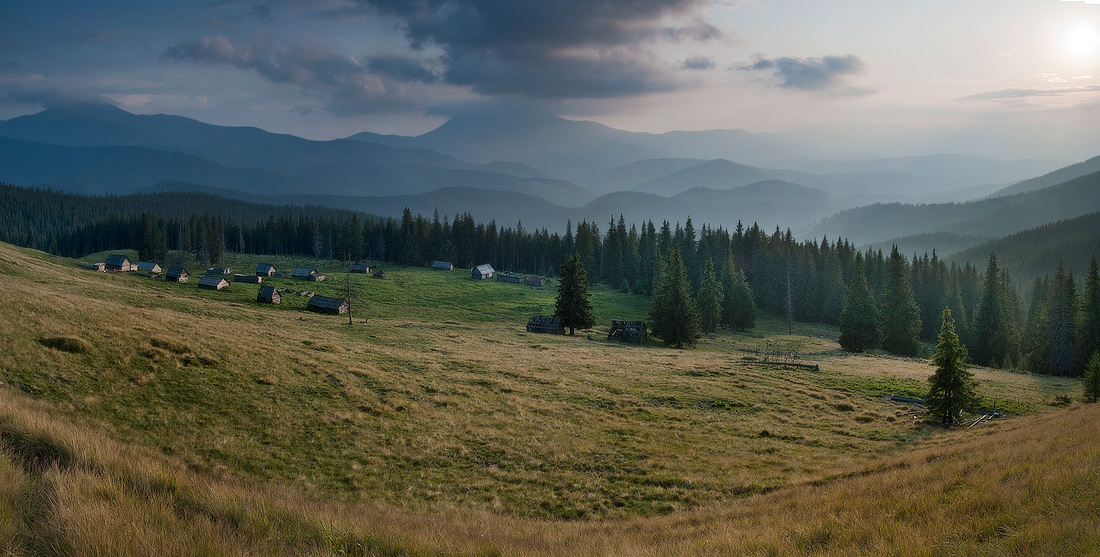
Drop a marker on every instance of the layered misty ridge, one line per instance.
(507, 165)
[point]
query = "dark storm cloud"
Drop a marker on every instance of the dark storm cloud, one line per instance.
(348, 85)
(698, 63)
(548, 48)
(807, 74)
(401, 68)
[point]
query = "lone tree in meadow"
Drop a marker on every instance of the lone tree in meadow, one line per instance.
(710, 299)
(951, 388)
(673, 316)
(1092, 378)
(859, 326)
(572, 305)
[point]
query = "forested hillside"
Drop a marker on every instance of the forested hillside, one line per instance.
(806, 280)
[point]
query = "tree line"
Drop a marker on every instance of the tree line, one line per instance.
(879, 300)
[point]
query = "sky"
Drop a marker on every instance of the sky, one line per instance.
(329, 68)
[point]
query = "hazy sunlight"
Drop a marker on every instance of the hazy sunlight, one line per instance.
(1081, 41)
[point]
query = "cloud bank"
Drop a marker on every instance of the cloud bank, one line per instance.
(807, 74)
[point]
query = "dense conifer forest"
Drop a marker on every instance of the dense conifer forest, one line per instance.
(1049, 327)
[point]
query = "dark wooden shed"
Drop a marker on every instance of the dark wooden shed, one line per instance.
(269, 295)
(251, 279)
(482, 272)
(324, 304)
(547, 325)
(118, 262)
(536, 281)
(509, 277)
(265, 270)
(306, 273)
(361, 268)
(627, 331)
(443, 266)
(176, 274)
(213, 282)
(148, 267)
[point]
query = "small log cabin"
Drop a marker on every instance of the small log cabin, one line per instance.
(306, 273)
(361, 268)
(443, 266)
(101, 267)
(482, 272)
(509, 277)
(148, 267)
(251, 279)
(627, 331)
(118, 262)
(269, 295)
(218, 271)
(177, 274)
(546, 325)
(265, 270)
(213, 282)
(324, 304)
(536, 281)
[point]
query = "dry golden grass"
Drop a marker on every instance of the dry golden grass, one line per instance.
(217, 426)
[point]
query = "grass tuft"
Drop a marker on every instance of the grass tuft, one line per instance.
(72, 345)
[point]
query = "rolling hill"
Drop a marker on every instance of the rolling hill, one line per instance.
(989, 218)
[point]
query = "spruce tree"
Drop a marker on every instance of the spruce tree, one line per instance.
(900, 314)
(1063, 334)
(738, 307)
(710, 299)
(1088, 337)
(988, 327)
(673, 315)
(572, 305)
(859, 323)
(951, 388)
(1092, 378)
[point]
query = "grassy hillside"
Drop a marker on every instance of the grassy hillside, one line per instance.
(143, 417)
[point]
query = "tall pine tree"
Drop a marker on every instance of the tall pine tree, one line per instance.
(988, 330)
(673, 315)
(859, 322)
(572, 305)
(900, 314)
(1089, 334)
(738, 307)
(710, 299)
(951, 388)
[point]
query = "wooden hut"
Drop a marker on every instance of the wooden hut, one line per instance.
(443, 266)
(307, 273)
(536, 281)
(546, 325)
(627, 331)
(509, 277)
(213, 282)
(324, 304)
(251, 279)
(218, 271)
(176, 274)
(269, 295)
(101, 267)
(482, 272)
(118, 262)
(265, 270)
(361, 268)
(148, 267)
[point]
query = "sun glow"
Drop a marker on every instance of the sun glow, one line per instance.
(1081, 41)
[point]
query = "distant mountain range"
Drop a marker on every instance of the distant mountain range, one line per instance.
(921, 227)
(512, 166)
